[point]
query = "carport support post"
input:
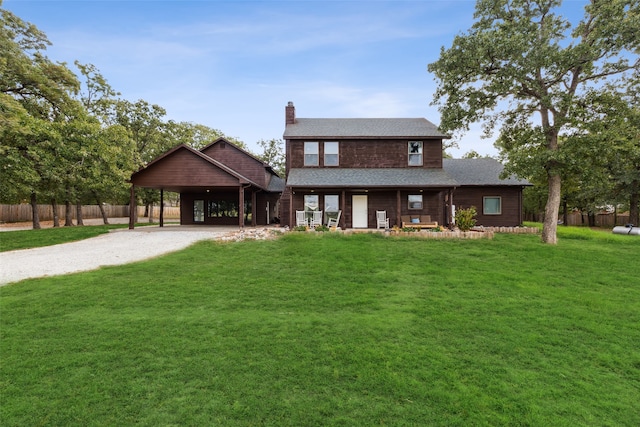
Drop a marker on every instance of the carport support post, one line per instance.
(241, 206)
(132, 207)
(162, 207)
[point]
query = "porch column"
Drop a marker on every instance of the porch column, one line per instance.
(132, 207)
(291, 208)
(451, 216)
(398, 208)
(253, 208)
(241, 206)
(162, 207)
(343, 207)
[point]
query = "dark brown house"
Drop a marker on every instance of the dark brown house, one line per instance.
(360, 166)
(219, 185)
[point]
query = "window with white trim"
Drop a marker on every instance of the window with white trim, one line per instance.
(492, 205)
(331, 153)
(415, 153)
(311, 154)
(331, 207)
(415, 201)
(311, 202)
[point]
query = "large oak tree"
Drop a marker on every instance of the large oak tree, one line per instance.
(524, 66)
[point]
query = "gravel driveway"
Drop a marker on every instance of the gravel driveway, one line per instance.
(114, 248)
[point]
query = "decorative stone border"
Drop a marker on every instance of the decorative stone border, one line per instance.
(513, 230)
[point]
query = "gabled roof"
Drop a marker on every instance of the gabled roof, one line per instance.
(241, 179)
(479, 172)
(369, 177)
(266, 165)
(362, 129)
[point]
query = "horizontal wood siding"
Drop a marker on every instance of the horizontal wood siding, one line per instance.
(239, 161)
(183, 169)
(465, 197)
(383, 153)
(432, 205)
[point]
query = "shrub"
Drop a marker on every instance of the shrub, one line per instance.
(322, 228)
(465, 218)
(299, 228)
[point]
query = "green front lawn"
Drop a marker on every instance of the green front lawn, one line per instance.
(23, 239)
(313, 330)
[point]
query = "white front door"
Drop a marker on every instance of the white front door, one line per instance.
(359, 213)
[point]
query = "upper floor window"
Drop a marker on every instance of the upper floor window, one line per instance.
(331, 154)
(311, 154)
(415, 153)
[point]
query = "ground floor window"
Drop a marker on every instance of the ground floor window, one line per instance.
(415, 201)
(331, 206)
(492, 205)
(311, 202)
(223, 208)
(198, 211)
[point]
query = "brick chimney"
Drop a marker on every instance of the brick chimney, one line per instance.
(290, 113)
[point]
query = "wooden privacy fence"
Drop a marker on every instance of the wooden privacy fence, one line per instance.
(20, 213)
(579, 218)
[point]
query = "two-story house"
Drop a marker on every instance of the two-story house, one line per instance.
(360, 166)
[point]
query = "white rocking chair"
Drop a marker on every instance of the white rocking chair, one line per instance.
(382, 220)
(316, 220)
(333, 222)
(301, 219)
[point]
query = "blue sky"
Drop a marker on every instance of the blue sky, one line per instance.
(234, 65)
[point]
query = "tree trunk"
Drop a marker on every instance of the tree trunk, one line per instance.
(105, 219)
(34, 211)
(146, 210)
(150, 213)
(54, 208)
(68, 211)
(79, 213)
(634, 201)
(565, 214)
(550, 224)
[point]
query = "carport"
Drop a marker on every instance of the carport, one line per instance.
(211, 193)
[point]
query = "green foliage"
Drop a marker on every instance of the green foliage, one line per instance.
(273, 154)
(325, 329)
(542, 65)
(299, 228)
(321, 228)
(466, 218)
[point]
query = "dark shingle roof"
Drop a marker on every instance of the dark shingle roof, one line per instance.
(276, 184)
(484, 171)
(455, 173)
(370, 177)
(362, 128)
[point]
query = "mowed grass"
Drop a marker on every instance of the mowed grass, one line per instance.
(23, 239)
(329, 330)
